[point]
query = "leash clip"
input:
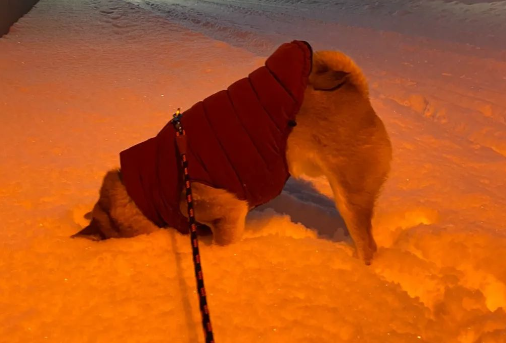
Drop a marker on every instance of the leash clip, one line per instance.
(176, 120)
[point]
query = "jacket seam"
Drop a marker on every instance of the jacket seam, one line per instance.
(222, 148)
(245, 130)
(261, 105)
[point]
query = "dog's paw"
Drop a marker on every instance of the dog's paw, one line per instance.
(366, 253)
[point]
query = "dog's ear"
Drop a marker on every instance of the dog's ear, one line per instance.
(323, 78)
(91, 232)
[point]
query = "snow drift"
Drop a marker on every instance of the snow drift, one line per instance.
(82, 80)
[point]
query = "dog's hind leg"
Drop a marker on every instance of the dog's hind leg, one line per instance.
(220, 210)
(356, 182)
(356, 208)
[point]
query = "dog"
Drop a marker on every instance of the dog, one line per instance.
(317, 120)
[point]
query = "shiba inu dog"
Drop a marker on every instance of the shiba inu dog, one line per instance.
(303, 113)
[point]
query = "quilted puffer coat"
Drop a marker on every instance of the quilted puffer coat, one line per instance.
(236, 141)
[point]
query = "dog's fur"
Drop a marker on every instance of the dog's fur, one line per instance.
(338, 135)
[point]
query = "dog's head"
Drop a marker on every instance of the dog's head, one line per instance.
(102, 225)
(115, 214)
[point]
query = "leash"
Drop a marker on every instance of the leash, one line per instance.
(182, 145)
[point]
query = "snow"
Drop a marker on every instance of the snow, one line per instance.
(82, 80)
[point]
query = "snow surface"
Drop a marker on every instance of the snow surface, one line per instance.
(80, 80)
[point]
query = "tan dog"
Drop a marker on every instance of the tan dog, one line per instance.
(338, 135)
